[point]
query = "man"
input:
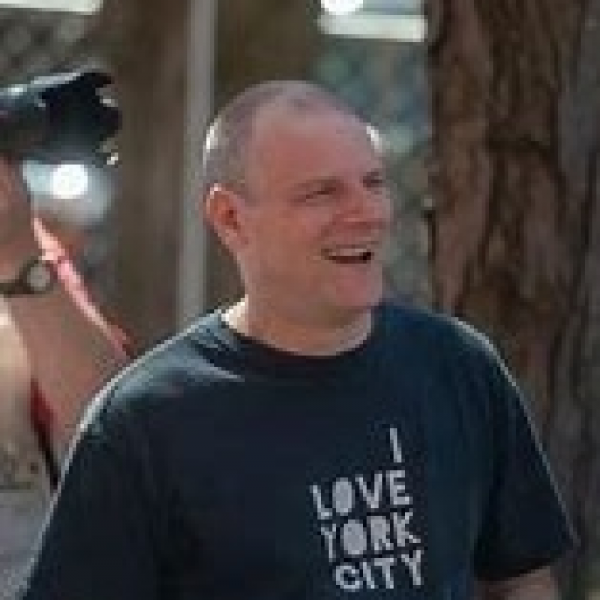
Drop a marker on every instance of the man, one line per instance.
(310, 441)
(56, 350)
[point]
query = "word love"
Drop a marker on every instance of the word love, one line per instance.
(347, 494)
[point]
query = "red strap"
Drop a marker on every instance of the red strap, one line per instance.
(41, 412)
(41, 407)
(41, 419)
(75, 287)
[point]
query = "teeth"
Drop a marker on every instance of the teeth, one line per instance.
(349, 253)
(354, 254)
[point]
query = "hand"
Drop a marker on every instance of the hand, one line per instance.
(17, 239)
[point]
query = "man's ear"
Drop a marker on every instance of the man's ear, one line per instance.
(222, 210)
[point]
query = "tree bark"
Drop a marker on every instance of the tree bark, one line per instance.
(516, 226)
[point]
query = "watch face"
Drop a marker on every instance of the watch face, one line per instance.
(40, 276)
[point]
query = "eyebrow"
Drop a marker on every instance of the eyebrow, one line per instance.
(310, 184)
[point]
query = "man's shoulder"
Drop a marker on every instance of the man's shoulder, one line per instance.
(434, 328)
(170, 369)
(423, 318)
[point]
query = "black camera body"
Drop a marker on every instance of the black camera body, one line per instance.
(58, 118)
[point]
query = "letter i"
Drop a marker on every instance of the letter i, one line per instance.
(396, 449)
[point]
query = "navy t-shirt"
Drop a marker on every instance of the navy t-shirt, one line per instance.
(217, 467)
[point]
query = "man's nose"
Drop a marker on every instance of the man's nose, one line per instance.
(365, 203)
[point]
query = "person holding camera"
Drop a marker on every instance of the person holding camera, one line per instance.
(56, 350)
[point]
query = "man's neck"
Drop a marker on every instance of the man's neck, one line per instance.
(308, 338)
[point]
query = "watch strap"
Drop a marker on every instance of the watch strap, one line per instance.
(22, 285)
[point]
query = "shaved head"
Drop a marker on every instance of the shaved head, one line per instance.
(228, 137)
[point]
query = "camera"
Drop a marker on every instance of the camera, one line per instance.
(58, 118)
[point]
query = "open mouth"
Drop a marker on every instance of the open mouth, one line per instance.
(350, 255)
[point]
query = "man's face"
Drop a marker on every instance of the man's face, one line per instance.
(317, 216)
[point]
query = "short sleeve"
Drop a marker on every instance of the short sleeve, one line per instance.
(525, 526)
(99, 542)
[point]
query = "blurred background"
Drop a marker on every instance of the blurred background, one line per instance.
(490, 114)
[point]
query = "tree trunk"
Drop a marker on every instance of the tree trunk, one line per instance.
(516, 226)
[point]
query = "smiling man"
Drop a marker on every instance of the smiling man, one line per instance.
(311, 440)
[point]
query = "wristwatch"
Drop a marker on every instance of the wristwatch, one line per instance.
(37, 276)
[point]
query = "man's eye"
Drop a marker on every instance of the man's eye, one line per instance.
(321, 193)
(376, 182)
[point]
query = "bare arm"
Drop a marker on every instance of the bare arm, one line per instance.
(70, 356)
(537, 585)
